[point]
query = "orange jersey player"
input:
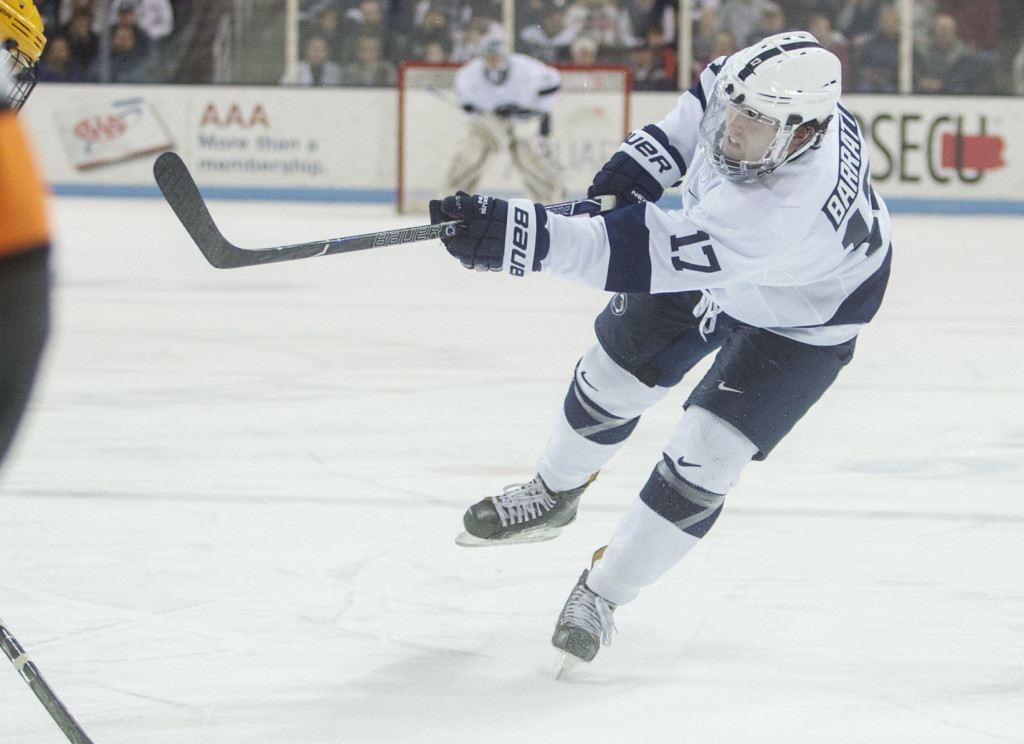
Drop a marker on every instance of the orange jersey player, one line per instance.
(24, 232)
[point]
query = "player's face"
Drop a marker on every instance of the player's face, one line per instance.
(747, 134)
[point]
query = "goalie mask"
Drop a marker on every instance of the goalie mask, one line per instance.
(495, 61)
(21, 33)
(762, 97)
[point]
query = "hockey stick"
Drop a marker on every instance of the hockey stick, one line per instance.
(181, 192)
(28, 671)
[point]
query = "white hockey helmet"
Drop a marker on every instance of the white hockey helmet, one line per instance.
(21, 45)
(763, 95)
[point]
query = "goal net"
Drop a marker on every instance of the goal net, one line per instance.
(588, 123)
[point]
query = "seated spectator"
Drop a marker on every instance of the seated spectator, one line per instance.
(56, 65)
(154, 17)
(772, 22)
(548, 42)
(725, 44)
(875, 62)
(664, 52)
(937, 55)
(637, 17)
(83, 42)
(125, 16)
(740, 18)
(599, 20)
(366, 19)
(821, 28)
(529, 12)
(129, 61)
(924, 18)
(798, 12)
(583, 51)
(325, 23)
(369, 66)
(48, 14)
(434, 52)
(971, 75)
(977, 23)
(433, 28)
(859, 19)
(316, 66)
(648, 70)
(470, 41)
(705, 28)
(67, 8)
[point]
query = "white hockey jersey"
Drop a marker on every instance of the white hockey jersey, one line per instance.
(803, 252)
(529, 85)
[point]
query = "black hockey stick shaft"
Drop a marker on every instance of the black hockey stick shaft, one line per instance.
(182, 194)
(30, 673)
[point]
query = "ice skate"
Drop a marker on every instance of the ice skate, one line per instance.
(584, 624)
(524, 513)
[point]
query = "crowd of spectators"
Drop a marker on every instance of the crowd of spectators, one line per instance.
(136, 31)
(960, 46)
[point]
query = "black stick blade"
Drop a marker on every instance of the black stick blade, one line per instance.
(181, 192)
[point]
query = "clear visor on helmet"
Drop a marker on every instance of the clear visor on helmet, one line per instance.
(740, 142)
(17, 76)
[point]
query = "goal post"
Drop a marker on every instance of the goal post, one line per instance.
(588, 122)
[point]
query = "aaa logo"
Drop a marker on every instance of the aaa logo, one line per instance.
(101, 127)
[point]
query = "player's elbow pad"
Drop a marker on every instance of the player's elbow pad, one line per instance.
(644, 166)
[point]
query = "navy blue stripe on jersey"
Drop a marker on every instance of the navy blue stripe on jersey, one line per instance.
(591, 421)
(629, 262)
(549, 91)
(863, 302)
(688, 507)
(698, 88)
(698, 92)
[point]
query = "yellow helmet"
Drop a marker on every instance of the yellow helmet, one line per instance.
(21, 31)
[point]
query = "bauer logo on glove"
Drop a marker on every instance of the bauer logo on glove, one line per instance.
(490, 240)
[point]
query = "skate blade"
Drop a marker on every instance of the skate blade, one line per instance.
(565, 663)
(538, 534)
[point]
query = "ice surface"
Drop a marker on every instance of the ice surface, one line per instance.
(230, 514)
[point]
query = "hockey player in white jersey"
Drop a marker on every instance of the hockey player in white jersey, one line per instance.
(509, 99)
(777, 259)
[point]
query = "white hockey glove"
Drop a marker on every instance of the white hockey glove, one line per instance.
(498, 235)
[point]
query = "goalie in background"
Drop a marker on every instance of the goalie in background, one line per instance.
(24, 233)
(509, 97)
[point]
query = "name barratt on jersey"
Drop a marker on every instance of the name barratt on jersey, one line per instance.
(850, 159)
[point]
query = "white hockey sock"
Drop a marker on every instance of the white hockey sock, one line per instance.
(571, 456)
(643, 547)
